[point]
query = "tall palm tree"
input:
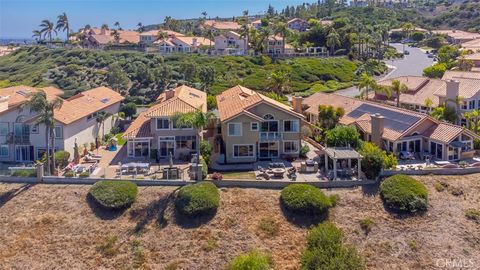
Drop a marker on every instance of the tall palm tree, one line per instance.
(116, 35)
(398, 88)
(37, 35)
(101, 117)
(63, 24)
(117, 24)
(198, 120)
(47, 28)
(333, 39)
(204, 14)
(140, 27)
(278, 82)
(282, 29)
(245, 33)
(161, 35)
(473, 119)
(263, 35)
(367, 83)
(45, 110)
(209, 33)
(105, 27)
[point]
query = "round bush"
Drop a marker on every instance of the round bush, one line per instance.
(197, 199)
(251, 260)
(303, 198)
(403, 193)
(114, 194)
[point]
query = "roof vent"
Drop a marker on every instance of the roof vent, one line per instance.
(23, 92)
(105, 100)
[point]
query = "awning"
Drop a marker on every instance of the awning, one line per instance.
(342, 153)
(457, 144)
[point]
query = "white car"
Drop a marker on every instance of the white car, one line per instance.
(406, 155)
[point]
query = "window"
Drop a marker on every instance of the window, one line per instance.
(290, 147)
(463, 122)
(291, 126)
(243, 150)
(269, 126)
(268, 117)
(254, 126)
(58, 132)
(471, 104)
(3, 129)
(464, 105)
(163, 123)
(34, 129)
(4, 150)
(234, 129)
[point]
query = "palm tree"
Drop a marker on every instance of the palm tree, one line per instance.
(116, 35)
(473, 119)
(101, 117)
(367, 83)
(63, 24)
(45, 110)
(333, 39)
(209, 33)
(428, 103)
(161, 35)
(105, 27)
(204, 14)
(198, 120)
(47, 28)
(140, 28)
(244, 33)
(37, 35)
(278, 82)
(282, 29)
(465, 64)
(457, 102)
(263, 35)
(117, 24)
(398, 88)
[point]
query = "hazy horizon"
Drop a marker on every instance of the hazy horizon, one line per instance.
(18, 18)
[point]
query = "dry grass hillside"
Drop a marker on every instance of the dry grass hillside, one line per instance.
(57, 227)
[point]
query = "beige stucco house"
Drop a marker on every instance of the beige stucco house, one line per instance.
(23, 140)
(155, 129)
(255, 127)
(231, 43)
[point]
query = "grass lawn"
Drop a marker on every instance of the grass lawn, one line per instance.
(239, 175)
(121, 141)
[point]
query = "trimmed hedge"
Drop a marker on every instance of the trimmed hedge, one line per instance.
(403, 193)
(253, 260)
(197, 199)
(303, 198)
(325, 250)
(25, 173)
(114, 194)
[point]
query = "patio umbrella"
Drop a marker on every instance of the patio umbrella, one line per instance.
(76, 154)
(170, 159)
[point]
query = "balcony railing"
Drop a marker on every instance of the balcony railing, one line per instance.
(270, 136)
(18, 139)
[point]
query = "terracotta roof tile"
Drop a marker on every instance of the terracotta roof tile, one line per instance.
(140, 128)
(419, 89)
(222, 25)
(454, 74)
(19, 94)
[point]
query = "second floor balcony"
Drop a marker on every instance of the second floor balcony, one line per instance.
(270, 136)
(18, 138)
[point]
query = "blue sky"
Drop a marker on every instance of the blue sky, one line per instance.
(19, 17)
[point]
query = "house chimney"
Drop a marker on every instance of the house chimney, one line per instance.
(169, 94)
(452, 92)
(4, 103)
(194, 42)
(297, 103)
(378, 124)
(103, 31)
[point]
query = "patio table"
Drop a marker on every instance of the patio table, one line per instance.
(278, 172)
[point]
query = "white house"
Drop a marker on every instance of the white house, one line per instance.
(231, 43)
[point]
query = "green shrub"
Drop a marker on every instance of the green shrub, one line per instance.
(304, 198)
(253, 260)
(342, 136)
(435, 71)
(114, 194)
(440, 186)
(109, 246)
(61, 158)
(84, 175)
(325, 250)
(268, 226)
(373, 159)
(304, 149)
(206, 151)
(197, 199)
(390, 161)
(473, 214)
(69, 174)
(403, 193)
(25, 173)
(204, 168)
(366, 225)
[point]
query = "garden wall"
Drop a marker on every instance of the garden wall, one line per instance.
(458, 171)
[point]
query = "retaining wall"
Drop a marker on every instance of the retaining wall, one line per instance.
(457, 171)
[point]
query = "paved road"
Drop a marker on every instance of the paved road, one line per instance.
(412, 64)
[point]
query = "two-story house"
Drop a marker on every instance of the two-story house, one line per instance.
(155, 129)
(22, 139)
(231, 43)
(149, 37)
(255, 127)
(182, 44)
(275, 45)
(297, 24)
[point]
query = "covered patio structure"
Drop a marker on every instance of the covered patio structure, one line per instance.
(342, 162)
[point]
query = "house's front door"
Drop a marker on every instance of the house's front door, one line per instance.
(23, 153)
(166, 146)
(268, 150)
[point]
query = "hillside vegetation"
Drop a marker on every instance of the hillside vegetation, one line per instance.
(144, 76)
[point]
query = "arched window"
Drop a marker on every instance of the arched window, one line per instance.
(20, 119)
(268, 117)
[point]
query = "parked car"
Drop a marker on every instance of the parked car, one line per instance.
(406, 155)
(430, 55)
(406, 52)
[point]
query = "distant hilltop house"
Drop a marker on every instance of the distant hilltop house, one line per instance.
(397, 130)
(420, 89)
(149, 37)
(457, 36)
(381, 3)
(221, 25)
(23, 140)
(156, 131)
(231, 43)
(472, 45)
(100, 37)
(182, 44)
(298, 24)
(276, 46)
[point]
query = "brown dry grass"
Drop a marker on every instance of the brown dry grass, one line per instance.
(45, 227)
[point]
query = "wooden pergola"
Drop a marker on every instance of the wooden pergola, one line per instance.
(342, 153)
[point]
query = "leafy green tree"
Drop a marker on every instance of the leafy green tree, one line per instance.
(465, 64)
(447, 54)
(117, 79)
(373, 159)
(473, 120)
(417, 36)
(445, 113)
(129, 109)
(207, 76)
(101, 117)
(278, 82)
(282, 29)
(189, 70)
(435, 71)
(45, 110)
(343, 136)
(333, 39)
(328, 116)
